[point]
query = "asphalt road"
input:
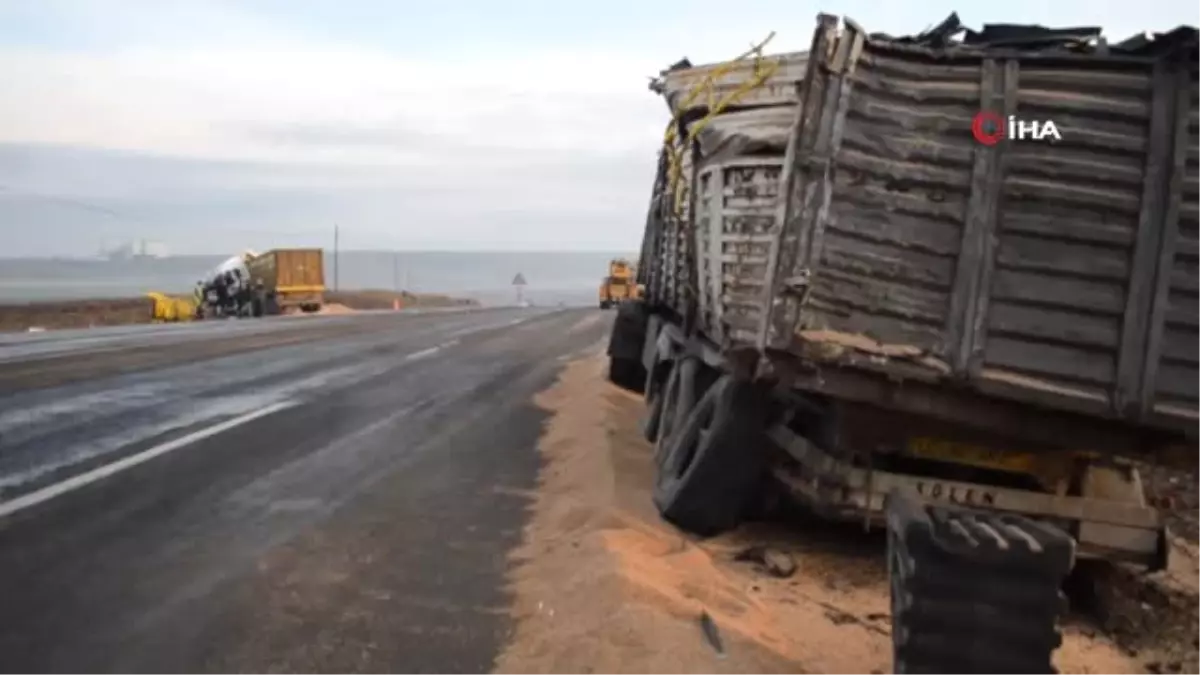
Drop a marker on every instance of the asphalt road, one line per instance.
(314, 494)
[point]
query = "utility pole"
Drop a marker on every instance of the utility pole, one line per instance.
(395, 271)
(335, 256)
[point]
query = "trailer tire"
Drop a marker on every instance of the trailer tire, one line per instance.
(625, 347)
(678, 399)
(652, 417)
(714, 461)
(658, 375)
(626, 374)
(944, 619)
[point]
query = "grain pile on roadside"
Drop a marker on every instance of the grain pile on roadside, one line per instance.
(601, 584)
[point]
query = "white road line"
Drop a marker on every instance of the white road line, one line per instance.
(423, 353)
(99, 473)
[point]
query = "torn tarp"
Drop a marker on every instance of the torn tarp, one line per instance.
(951, 33)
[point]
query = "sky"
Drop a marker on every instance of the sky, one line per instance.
(212, 126)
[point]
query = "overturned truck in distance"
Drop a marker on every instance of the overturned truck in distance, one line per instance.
(850, 291)
(264, 284)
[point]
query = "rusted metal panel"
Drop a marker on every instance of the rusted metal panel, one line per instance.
(1030, 270)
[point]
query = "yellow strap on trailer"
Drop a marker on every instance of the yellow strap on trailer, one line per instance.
(763, 70)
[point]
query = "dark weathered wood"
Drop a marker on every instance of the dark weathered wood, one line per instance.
(777, 321)
(1069, 101)
(1047, 59)
(1177, 381)
(825, 145)
(1178, 345)
(1010, 319)
(1024, 252)
(977, 312)
(715, 308)
(868, 294)
(1066, 292)
(1102, 172)
(895, 229)
(976, 228)
(1067, 226)
(925, 93)
(900, 173)
(921, 62)
(1104, 80)
(1052, 362)
(1139, 303)
(1168, 245)
(943, 205)
(1081, 196)
(1182, 313)
(887, 262)
(880, 139)
(690, 257)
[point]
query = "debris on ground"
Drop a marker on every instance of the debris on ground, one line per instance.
(1151, 616)
(711, 633)
(628, 588)
(777, 563)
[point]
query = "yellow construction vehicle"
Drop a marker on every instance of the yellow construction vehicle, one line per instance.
(619, 285)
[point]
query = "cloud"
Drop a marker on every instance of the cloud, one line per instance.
(530, 129)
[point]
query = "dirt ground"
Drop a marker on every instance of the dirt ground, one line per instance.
(125, 311)
(603, 585)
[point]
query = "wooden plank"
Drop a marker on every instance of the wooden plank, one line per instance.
(775, 330)
(881, 140)
(904, 174)
(978, 312)
(1040, 289)
(716, 243)
(971, 249)
(827, 145)
(1023, 252)
(1168, 242)
(935, 237)
(1097, 228)
(1061, 326)
(1129, 397)
(1053, 362)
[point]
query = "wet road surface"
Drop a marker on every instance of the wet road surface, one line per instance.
(319, 494)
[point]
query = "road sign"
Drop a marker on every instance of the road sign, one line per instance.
(519, 280)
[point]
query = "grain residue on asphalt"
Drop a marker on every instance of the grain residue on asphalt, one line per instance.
(601, 584)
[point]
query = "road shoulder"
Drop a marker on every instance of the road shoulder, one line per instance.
(601, 584)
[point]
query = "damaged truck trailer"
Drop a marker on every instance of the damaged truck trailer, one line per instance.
(856, 287)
